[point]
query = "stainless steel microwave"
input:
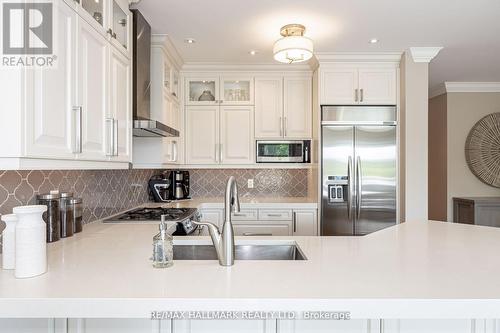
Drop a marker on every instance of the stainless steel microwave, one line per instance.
(290, 151)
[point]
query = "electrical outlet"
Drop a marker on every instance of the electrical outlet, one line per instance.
(250, 183)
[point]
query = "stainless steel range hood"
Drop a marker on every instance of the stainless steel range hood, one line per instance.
(144, 125)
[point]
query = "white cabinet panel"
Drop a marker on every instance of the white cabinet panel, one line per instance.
(275, 214)
(305, 223)
(93, 53)
(51, 94)
(214, 216)
(268, 107)
(328, 326)
(338, 86)
(32, 325)
(120, 104)
(236, 135)
(429, 326)
(202, 141)
(297, 107)
(202, 90)
(224, 326)
(377, 86)
(236, 90)
(261, 229)
(113, 325)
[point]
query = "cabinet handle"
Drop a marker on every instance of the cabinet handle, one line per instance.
(221, 101)
(110, 32)
(77, 147)
(285, 121)
(115, 136)
(281, 126)
(256, 234)
(294, 223)
(114, 35)
(274, 215)
(216, 153)
(174, 151)
(220, 153)
(239, 214)
(361, 94)
(355, 95)
(110, 137)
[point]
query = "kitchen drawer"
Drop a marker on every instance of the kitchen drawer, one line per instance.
(245, 215)
(275, 214)
(262, 230)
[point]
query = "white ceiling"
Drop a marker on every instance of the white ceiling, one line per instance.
(226, 30)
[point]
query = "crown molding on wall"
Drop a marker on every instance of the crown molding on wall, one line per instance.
(219, 66)
(465, 87)
(424, 54)
(164, 41)
(393, 57)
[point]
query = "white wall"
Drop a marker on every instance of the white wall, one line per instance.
(464, 110)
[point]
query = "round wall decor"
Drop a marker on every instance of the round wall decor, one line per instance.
(482, 149)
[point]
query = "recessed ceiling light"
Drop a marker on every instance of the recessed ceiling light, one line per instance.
(373, 41)
(190, 40)
(252, 52)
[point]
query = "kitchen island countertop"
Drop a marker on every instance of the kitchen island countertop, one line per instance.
(415, 269)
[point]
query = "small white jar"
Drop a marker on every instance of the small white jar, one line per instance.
(9, 241)
(31, 246)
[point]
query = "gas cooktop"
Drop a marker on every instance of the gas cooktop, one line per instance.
(154, 214)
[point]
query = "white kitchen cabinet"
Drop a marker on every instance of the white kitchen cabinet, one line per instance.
(305, 223)
(202, 139)
(431, 326)
(224, 326)
(269, 107)
(377, 86)
(118, 325)
(202, 90)
(120, 107)
(338, 86)
(328, 326)
(215, 216)
(119, 25)
(93, 55)
(283, 107)
(354, 84)
(236, 90)
(236, 135)
(51, 95)
(32, 325)
(297, 107)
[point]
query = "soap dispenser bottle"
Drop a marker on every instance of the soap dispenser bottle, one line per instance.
(163, 252)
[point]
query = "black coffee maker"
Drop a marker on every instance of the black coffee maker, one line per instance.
(179, 180)
(159, 188)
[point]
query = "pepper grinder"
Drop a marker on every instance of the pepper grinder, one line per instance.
(163, 252)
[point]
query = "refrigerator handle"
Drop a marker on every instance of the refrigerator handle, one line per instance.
(350, 188)
(358, 186)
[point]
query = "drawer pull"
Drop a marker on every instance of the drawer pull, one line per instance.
(275, 215)
(239, 214)
(256, 234)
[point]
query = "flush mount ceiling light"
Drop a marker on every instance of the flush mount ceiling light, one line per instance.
(293, 47)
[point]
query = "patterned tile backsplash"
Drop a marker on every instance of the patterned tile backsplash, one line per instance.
(106, 192)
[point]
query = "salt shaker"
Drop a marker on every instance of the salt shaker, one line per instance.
(163, 252)
(9, 241)
(31, 245)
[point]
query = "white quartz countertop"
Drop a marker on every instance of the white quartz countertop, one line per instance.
(416, 269)
(246, 202)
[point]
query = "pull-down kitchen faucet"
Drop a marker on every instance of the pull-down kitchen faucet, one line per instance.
(224, 241)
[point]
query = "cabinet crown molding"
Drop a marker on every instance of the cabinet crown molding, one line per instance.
(465, 87)
(164, 41)
(424, 54)
(390, 57)
(243, 67)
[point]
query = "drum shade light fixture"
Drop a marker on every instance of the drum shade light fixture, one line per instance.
(293, 47)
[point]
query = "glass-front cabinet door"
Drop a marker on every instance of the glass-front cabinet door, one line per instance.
(175, 83)
(96, 9)
(237, 90)
(120, 24)
(202, 91)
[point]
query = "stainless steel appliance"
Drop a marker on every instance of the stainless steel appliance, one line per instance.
(180, 185)
(358, 169)
(290, 151)
(184, 217)
(141, 61)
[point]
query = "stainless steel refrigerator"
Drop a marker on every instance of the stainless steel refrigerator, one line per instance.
(359, 172)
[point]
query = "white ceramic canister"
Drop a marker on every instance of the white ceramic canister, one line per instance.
(31, 246)
(9, 241)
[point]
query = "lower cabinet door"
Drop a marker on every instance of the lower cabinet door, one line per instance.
(224, 326)
(118, 325)
(429, 326)
(261, 230)
(304, 223)
(324, 326)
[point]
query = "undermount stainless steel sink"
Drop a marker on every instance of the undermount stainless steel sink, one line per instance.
(242, 252)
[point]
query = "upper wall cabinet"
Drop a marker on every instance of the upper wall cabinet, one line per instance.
(351, 84)
(214, 89)
(76, 115)
(283, 107)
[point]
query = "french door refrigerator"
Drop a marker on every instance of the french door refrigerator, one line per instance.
(358, 169)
